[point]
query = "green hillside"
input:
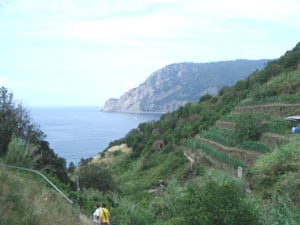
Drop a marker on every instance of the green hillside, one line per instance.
(202, 144)
(181, 169)
(26, 199)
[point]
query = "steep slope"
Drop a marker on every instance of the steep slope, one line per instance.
(26, 199)
(243, 126)
(232, 129)
(177, 84)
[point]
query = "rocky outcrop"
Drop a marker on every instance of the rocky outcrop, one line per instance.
(175, 85)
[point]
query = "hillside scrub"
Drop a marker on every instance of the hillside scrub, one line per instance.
(276, 178)
(159, 186)
(218, 202)
(248, 127)
(279, 170)
(26, 201)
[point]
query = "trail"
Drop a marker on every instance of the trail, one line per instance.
(84, 220)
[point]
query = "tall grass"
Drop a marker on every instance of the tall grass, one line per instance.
(27, 201)
(276, 178)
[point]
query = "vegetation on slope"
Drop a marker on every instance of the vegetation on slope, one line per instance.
(26, 200)
(272, 94)
(182, 168)
(23, 143)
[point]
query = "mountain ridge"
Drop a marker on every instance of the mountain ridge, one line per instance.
(179, 83)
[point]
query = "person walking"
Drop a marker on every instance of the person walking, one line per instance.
(96, 214)
(104, 217)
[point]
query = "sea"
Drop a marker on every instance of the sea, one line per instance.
(76, 133)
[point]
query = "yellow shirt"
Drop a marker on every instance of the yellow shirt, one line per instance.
(104, 216)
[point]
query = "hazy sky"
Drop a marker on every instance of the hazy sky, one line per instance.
(82, 52)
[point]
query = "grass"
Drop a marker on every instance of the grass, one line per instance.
(278, 171)
(276, 180)
(142, 174)
(26, 200)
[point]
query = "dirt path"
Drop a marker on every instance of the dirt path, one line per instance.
(84, 220)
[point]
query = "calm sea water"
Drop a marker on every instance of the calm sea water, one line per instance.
(83, 132)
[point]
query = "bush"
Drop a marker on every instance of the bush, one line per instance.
(248, 127)
(96, 176)
(218, 203)
(20, 154)
(279, 171)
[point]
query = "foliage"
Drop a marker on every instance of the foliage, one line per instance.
(291, 59)
(278, 171)
(279, 126)
(15, 121)
(166, 205)
(284, 85)
(25, 200)
(279, 209)
(128, 212)
(49, 162)
(20, 154)
(136, 177)
(218, 202)
(248, 127)
(221, 157)
(26, 140)
(220, 135)
(254, 146)
(96, 176)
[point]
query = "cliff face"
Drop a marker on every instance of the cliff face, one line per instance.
(176, 84)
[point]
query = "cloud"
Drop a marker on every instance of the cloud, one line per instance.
(128, 22)
(126, 40)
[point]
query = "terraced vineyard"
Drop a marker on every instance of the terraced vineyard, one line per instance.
(219, 146)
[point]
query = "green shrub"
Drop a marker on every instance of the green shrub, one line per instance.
(96, 176)
(279, 126)
(279, 209)
(218, 202)
(278, 171)
(20, 154)
(128, 212)
(25, 200)
(248, 127)
(230, 117)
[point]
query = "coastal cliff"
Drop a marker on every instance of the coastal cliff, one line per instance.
(176, 84)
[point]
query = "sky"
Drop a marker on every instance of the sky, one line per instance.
(83, 52)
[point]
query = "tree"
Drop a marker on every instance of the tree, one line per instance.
(28, 146)
(248, 127)
(15, 121)
(96, 176)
